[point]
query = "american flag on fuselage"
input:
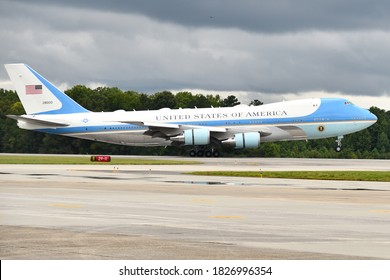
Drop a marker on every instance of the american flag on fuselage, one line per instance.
(33, 89)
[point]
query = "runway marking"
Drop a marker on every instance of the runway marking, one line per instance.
(64, 205)
(380, 211)
(225, 217)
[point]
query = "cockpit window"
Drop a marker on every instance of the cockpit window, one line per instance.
(348, 103)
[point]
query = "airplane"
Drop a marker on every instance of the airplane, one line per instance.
(50, 110)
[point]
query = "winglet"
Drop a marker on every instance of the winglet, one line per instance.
(38, 95)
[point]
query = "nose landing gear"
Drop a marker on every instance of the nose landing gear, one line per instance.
(338, 141)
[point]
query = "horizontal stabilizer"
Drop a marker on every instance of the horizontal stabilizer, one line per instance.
(34, 121)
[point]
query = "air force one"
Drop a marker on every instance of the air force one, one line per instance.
(50, 110)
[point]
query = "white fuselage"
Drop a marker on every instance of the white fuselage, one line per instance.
(290, 120)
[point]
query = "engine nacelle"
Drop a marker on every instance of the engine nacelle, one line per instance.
(197, 136)
(244, 140)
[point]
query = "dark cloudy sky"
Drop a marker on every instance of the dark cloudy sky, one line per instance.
(255, 49)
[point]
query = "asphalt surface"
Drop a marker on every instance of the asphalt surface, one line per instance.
(157, 212)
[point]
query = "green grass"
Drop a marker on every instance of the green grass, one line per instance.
(63, 159)
(381, 176)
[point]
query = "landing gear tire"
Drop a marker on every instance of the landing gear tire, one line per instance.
(338, 141)
(208, 153)
(200, 153)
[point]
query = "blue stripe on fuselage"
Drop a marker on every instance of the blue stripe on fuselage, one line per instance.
(92, 129)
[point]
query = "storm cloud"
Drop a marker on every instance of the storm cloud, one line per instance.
(262, 49)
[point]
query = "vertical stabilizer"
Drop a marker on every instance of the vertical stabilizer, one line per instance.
(38, 95)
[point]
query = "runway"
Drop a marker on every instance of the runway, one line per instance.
(156, 212)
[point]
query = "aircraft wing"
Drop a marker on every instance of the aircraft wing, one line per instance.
(180, 127)
(34, 121)
(151, 124)
(264, 130)
(173, 131)
(294, 131)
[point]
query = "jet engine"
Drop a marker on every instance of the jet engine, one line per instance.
(244, 140)
(196, 136)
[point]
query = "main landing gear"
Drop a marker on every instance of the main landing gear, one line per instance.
(338, 141)
(200, 152)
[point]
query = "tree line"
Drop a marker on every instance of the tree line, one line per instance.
(371, 143)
